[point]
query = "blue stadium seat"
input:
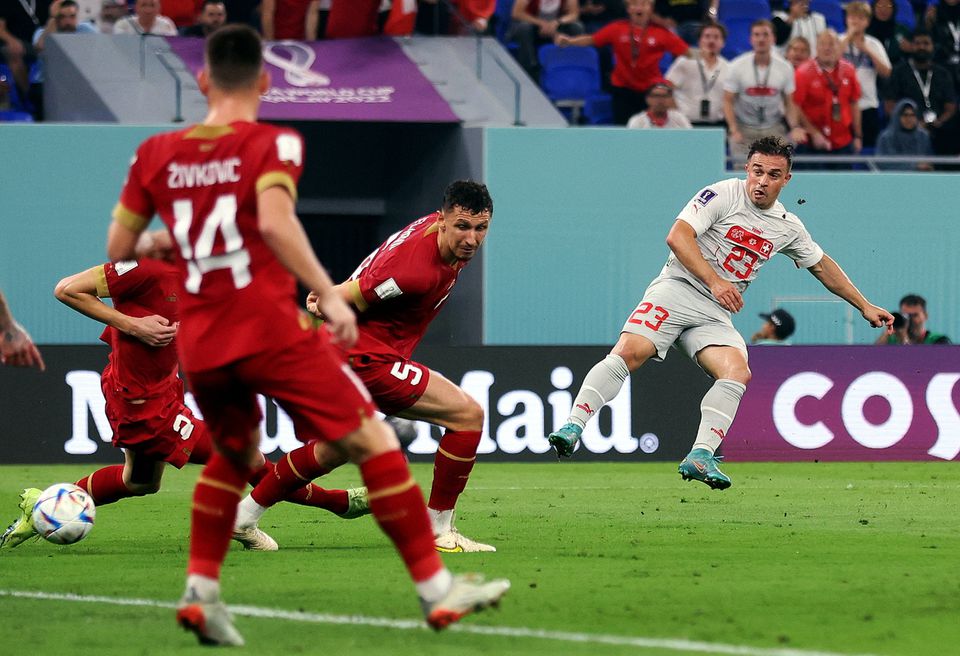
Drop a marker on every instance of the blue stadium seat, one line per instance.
(739, 9)
(598, 109)
(17, 104)
(738, 37)
(502, 19)
(832, 11)
(569, 76)
(905, 15)
(10, 116)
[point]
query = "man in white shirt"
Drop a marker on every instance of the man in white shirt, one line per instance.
(698, 82)
(758, 95)
(146, 20)
(658, 113)
(870, 58)
(718, 243)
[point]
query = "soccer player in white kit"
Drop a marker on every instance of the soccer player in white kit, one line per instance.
(718, 243)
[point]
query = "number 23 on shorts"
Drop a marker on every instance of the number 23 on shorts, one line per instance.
(660, 315)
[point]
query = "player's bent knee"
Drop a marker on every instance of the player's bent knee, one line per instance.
(634, 349)
(373, 438)
(471, 418)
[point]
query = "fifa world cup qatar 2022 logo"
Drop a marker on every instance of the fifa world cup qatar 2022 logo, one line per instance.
(301, 84)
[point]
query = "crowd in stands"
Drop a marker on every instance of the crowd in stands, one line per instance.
(837, 79)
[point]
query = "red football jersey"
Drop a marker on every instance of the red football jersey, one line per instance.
(637, 52)
(400, 288)
(236, 297)
(140, 289)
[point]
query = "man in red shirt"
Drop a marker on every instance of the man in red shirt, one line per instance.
(397, 291)
(226, 189)
(828, 93)
(638, 45)
(290, 19)
(144, 393)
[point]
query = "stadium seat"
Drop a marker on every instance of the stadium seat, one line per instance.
(502, 19)
(741, 9)
(10, 116)
(738, 37)
(905, 15)
(569, 76)
(832, 11)
(598, 109)
(17, 104)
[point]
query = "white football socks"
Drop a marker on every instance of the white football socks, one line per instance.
(436, 587)
(249, 512)
(717, 410)
(601, 385)
(441, 520)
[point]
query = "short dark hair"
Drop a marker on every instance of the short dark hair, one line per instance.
(712, 25)
(206, 3)
(471, 196)
(69, 3)
(234, 55)
(921, 31)
(772, 145)
(914, 299)
(762, 21)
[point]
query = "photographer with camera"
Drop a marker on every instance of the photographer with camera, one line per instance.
(910, 324)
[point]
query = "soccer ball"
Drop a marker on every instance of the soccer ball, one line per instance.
(63, 514)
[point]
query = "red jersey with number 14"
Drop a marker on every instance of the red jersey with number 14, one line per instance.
(400, 288)
(236, 297)
(140, 289)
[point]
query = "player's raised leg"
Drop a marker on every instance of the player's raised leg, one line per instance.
(728, 366)
(447, 405)
(600, 386)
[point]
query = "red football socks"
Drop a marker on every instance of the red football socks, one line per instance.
(215, 499)
(288, 480)
(452, 466)
(397, 504)
(106, 485)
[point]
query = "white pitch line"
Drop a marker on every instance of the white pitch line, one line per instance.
(418, 625)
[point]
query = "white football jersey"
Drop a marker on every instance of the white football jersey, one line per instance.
(737, 238)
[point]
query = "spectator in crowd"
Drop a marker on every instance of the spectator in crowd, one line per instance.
(659, 113)
(213, 15)
(146, 19)
(884, 27)
(871, 62)
(943, 21)
(797, 51)
(913, 329)
(63, 20)
(16, 347)
(595, 14)
(183, 13)
(110, 12)
(289, 19)
(828, 94)
(758, 95)
(538, 22)
(798, 20)
(698, 81)
(929, 85)
(776, 329)
(905, 136)
(638, 46)
(685, 17)
(18, 22)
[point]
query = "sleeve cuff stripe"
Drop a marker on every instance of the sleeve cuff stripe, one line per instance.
(129, 218)
(277, 179)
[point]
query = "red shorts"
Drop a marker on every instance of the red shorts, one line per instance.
(308, 379)
(161, 428)
(394, 382)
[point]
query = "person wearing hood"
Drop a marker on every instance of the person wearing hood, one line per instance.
(905, 136)
(931, 86)
(884, 27)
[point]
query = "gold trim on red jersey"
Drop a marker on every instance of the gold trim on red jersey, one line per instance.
(208, 131)
(353, 286)
(103, 290)
(277, 179)
(129, 219)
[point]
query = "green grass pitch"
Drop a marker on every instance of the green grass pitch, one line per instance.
(793, 559)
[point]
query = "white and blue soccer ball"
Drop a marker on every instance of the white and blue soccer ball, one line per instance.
(64, 514)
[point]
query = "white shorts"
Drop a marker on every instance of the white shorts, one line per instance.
(673, 309)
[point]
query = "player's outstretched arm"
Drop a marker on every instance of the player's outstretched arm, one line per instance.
(284, 235)
(682, 240)
(16, 347)
(831, 276)
(80, 292)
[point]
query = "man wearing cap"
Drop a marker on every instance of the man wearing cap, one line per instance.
(659, 114)
(776, 330)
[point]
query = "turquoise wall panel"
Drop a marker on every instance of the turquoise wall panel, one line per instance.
(60, 183)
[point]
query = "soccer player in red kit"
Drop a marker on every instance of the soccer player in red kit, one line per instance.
(226, 189)
(397, 291)
(144, 393)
